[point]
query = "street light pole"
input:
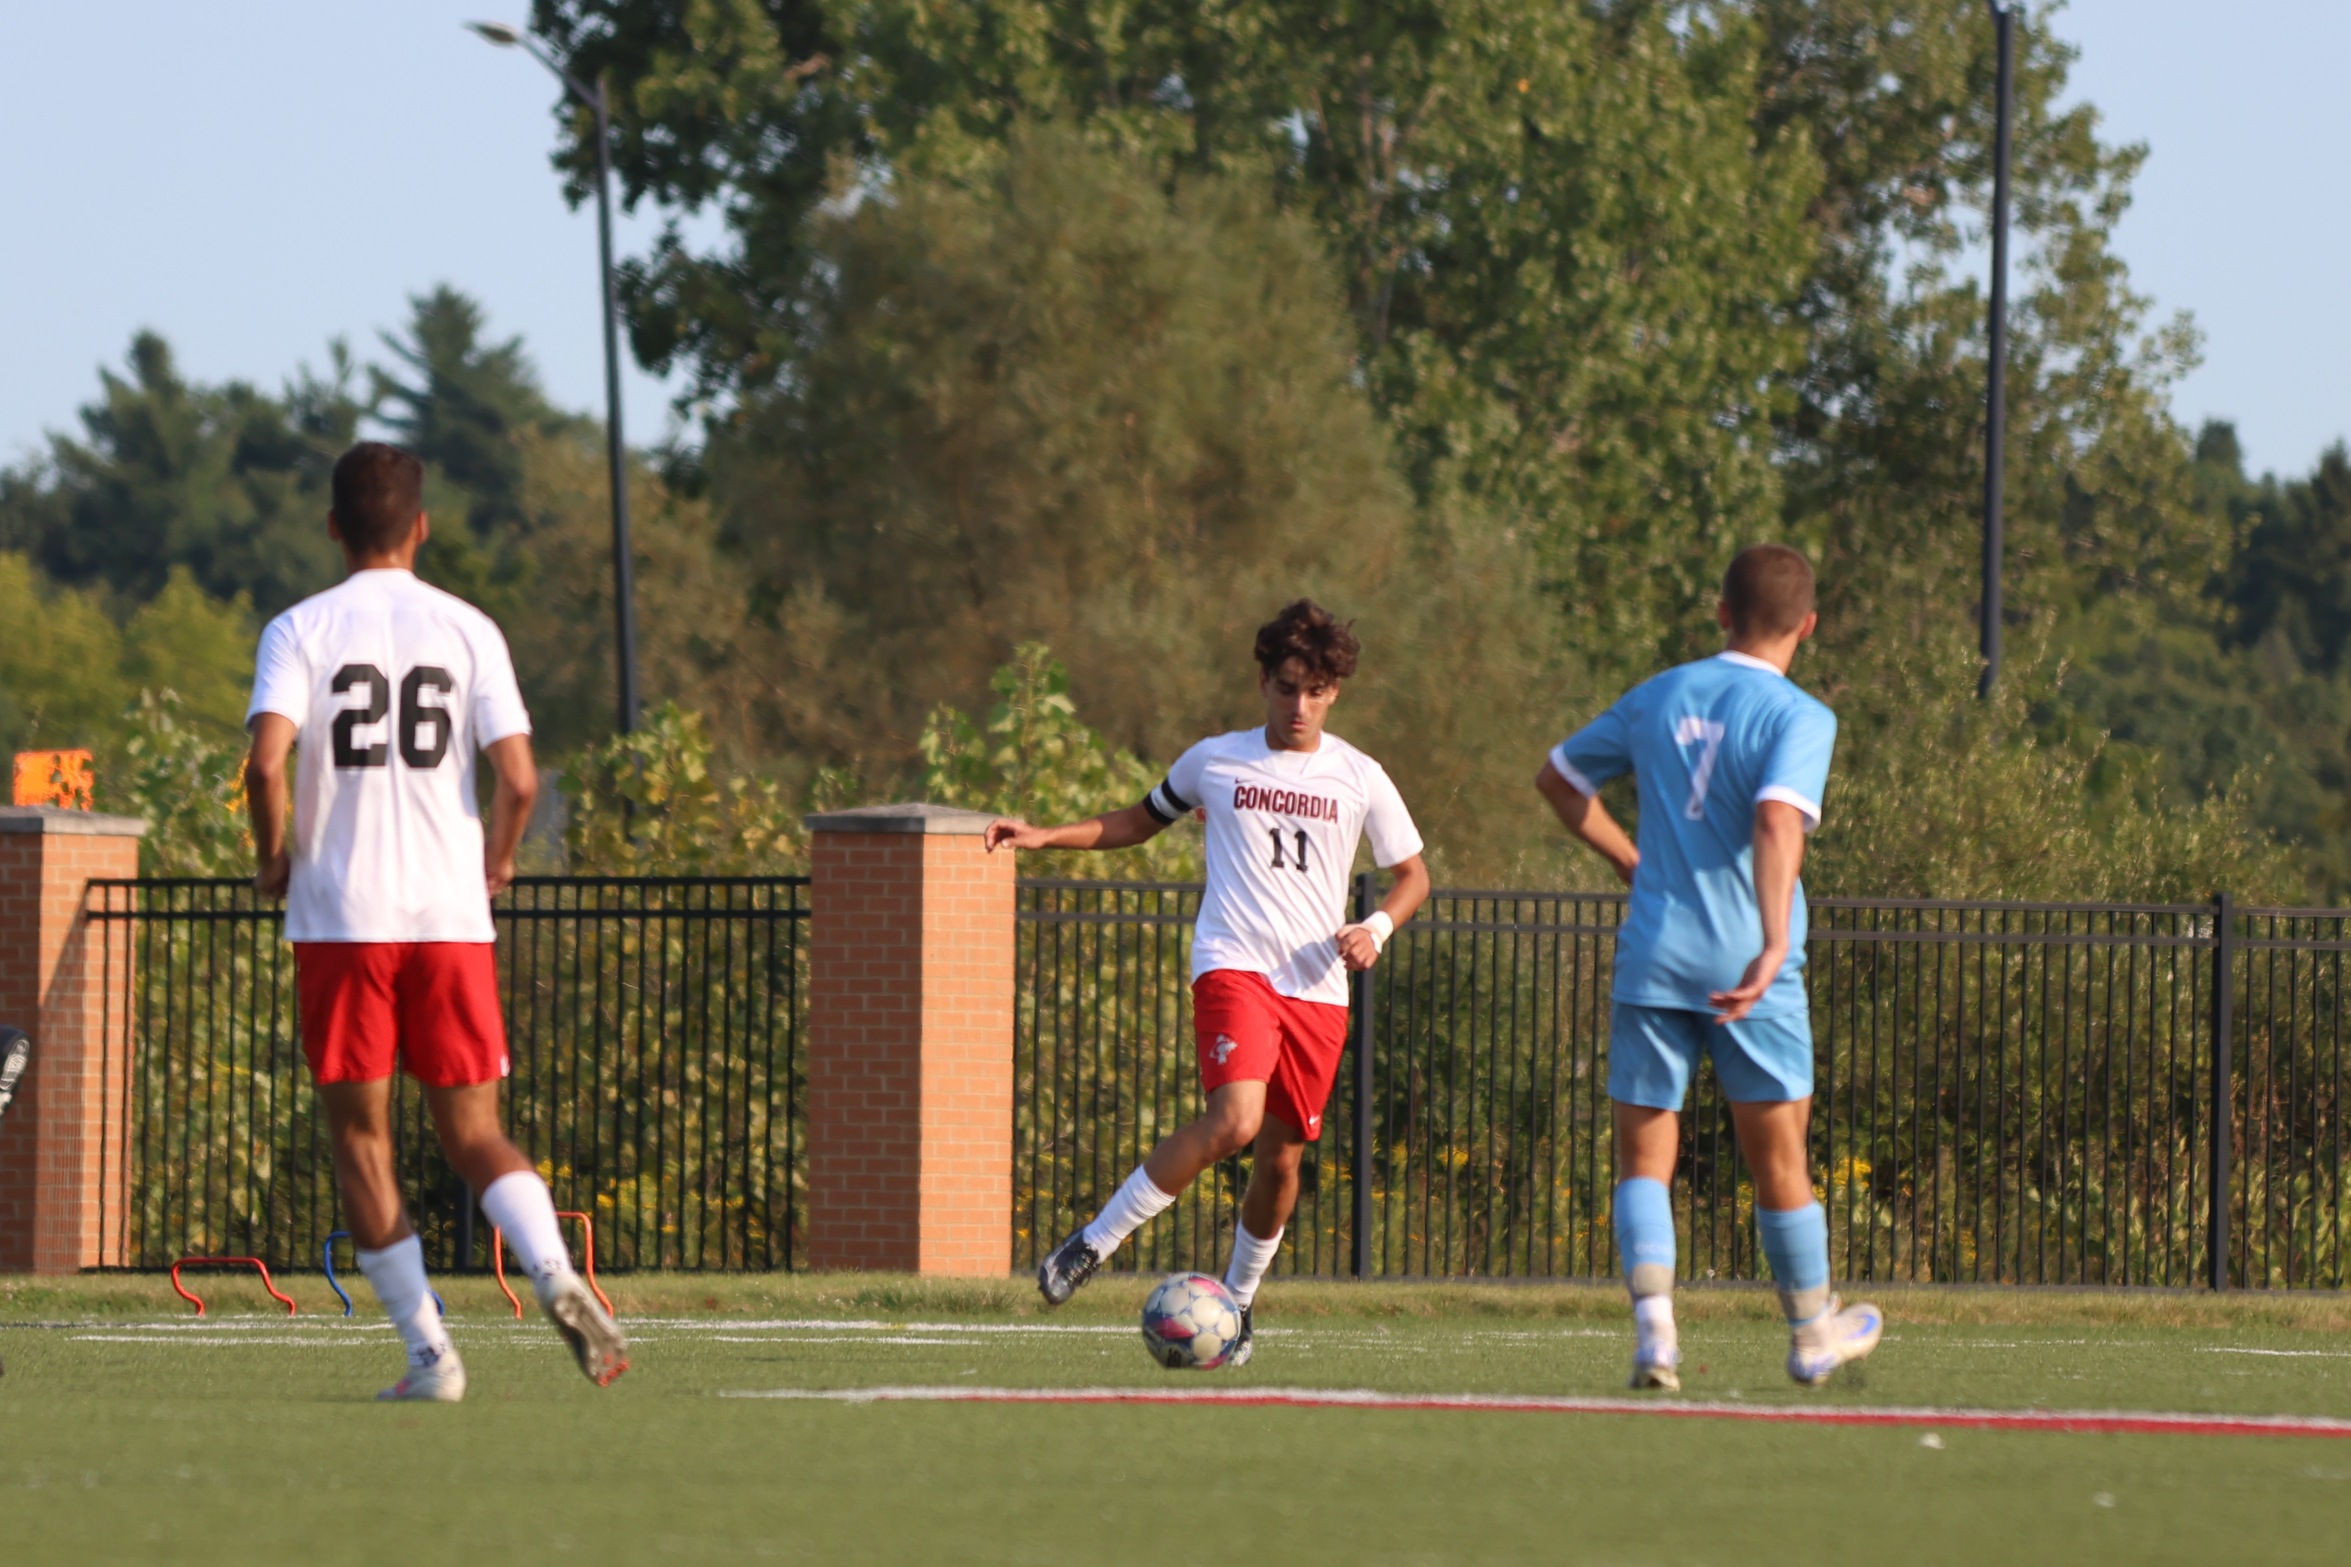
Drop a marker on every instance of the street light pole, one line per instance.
(624, 572)
(1996, 373)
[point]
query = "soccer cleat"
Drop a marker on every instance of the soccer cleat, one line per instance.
(1246, 1344)
(442, 1382)
(1655, 1367)
(1656, 1370)
(1843, 1335)
(595, 1339)
(1071, 1264)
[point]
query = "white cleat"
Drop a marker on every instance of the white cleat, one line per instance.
(442, 1382)
(1843, 1335)
(595, 1339)
(1657, 1368)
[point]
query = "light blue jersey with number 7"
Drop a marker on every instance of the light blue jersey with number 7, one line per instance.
(1706, 743)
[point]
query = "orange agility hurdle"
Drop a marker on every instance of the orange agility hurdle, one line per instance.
(226, 1262)
(588, 1251)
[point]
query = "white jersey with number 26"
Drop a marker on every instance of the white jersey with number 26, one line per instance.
(1282, 830)
(394, 687)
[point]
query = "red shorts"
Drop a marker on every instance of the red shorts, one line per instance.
(433, 1005)
(1249, 1032)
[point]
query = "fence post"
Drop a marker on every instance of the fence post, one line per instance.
(2224, 1086)
(910, 1042)
(1365, 1033)
(63, 1187)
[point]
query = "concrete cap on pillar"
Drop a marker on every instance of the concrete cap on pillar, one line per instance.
(40, 819)
(926, 820)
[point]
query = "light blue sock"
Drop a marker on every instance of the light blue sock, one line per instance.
(1644, 1236)
(1797, 1243)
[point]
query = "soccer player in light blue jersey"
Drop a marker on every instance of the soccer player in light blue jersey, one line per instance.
(1730, 759)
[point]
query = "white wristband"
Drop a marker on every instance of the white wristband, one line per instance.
(1380, 928)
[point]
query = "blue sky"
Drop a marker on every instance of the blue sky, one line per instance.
(254, 177)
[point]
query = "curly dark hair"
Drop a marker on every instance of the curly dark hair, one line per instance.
(1312, 635)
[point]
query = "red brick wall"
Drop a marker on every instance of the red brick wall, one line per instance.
(967, 926)
(910, 1054)
(62, 1178)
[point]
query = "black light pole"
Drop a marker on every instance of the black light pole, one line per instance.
(1996, 375)
(624, 573)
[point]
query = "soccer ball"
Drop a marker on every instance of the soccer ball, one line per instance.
(1191, 1322)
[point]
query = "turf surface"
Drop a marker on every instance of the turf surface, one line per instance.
(132, 1432)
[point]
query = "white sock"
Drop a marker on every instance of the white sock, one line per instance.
(521, 1208)
(1251, 1257)
(1653, 1322)
(396, 1274)
(1137, 1202)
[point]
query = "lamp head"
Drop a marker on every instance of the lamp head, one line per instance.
(499, 33)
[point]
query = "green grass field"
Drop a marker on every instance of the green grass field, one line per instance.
(131, 1432)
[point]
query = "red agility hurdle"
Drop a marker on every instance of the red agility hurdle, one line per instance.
(588, 1255)
(225, 1262)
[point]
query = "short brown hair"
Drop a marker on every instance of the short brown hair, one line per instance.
(378, 491)
(1309, 633)
(1769, 590)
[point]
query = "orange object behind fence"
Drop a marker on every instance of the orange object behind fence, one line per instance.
(60, 778)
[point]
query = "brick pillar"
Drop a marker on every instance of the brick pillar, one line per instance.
(910, 1043)
(63, 1186)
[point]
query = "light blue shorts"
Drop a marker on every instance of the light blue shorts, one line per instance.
(1654, 1051)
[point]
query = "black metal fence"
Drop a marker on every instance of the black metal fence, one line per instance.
(2014, 1093)
(655, 1029)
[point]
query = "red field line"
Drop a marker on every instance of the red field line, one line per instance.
(2145, 1423)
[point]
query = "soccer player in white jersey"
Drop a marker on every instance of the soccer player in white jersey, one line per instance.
(1285, 805)
(390, 688)
(1731, 759)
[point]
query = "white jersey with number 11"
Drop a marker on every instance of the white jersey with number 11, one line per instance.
(1282, 831)
(394, 687)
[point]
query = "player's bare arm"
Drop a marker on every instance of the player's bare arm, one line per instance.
(1360, 944)
(1583, 815)
(1779, 858)
(1121, 829)
(266, 801)
(510, 808)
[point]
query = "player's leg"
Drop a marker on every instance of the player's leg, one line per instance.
(453, 1040)
(1266, 1204)
(1225, 1128)
(1651, 1054)
(1647, 1141)
(1310, 1043)
(1234, 1025)
(1765, 1066)
(359, 1127)
(350, 1036)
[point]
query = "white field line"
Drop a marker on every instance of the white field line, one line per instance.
(228, 1326)
(2067, 1420)
(841, 1338)
(239, 1340)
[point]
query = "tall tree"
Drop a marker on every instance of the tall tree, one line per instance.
(1570, 265)
(225, 481)
(460, 402)
(2292, 579)
(1066, 407)
(1883, 444)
